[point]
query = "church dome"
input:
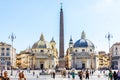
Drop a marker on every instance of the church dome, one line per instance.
(83, 42)
(41, 43)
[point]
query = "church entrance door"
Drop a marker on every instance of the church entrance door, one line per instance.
(41, 66)
(83, 65)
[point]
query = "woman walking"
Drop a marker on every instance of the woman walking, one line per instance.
(115, 75)
(80, 74)
(21, 76)
(87, 75)
(118, 75)
(110, 75)
(73, 74)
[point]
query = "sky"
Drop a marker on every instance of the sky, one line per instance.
(27, 19)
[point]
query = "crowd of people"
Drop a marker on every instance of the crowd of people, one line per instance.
(82, 74)
(4, 76)
(115, 75)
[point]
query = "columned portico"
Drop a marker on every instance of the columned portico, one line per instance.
(81, 63)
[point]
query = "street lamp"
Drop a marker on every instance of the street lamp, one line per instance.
(109, 36)
(12, 37)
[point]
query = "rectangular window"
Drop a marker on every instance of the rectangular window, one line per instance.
(7, 48)
(2, 48)
(7, 54)
(8, 63)
(2, 54)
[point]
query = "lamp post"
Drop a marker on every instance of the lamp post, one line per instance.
(109, 36)
(12, 37)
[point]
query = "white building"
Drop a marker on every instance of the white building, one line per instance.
(115, 55)
(45, 54)
(82, 53)
(7, 56)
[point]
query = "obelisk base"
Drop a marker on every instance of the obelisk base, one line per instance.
(61, 63)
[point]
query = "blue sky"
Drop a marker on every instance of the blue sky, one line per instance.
(27, 19)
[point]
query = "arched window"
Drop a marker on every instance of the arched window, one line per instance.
(42, 51)
(83, 50)
(76, 50)
(90, 50)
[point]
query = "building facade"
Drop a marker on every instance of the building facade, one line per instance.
(103, 60)
(24, 60)
(45, 53)
(80, 54)
(7, 56)
(42, 55)
(115, 55)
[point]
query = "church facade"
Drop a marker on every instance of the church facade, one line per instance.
(80, 55)
(42, 55)
(45, 54)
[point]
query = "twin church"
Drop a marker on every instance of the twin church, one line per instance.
(78, 55)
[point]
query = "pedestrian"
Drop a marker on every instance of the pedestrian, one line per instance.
(33, 73)
(73, 74)
(92, 72)
(110, 75)
(54, 75)
(1, 76)
(64, 73)
(104, 72)
(115, 75)
(6, 76)
(87, 74)
(118, 75)
(80, 74)
(68, 74)
(21, 76)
